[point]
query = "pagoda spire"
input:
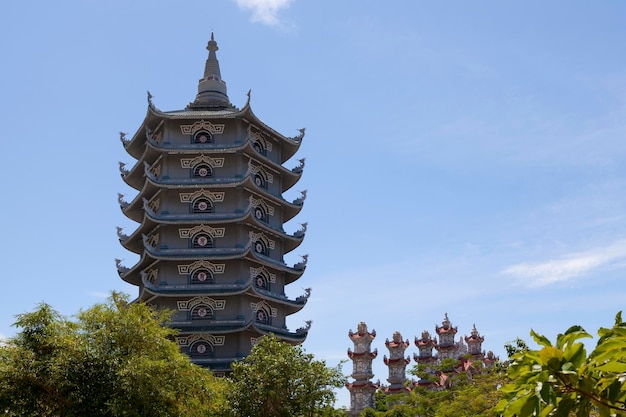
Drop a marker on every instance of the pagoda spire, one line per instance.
(211, 88)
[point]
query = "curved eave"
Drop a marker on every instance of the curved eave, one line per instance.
(369, 336)
(289, 146)
(290, 209)
(134, 210)
(134, 242)
(388, 361)
(193, 149)
(272, 263)
(216, 364)
(212, 326)
(136, 175)
(154, 116)
(150, 291)
(229, 113)
(291, 306)
(290, 176)
(262, 329)
(290, 242)
(285, 335)
(188, 254)
(368, 355)
(136, 146)
(362, 385)
(132, 275)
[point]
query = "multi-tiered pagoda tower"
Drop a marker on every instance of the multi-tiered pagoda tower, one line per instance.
(447, 347)
(210, 181)
(397, 364)
(362, 389)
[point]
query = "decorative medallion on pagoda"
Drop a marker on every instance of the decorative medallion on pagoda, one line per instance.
(361, 389)
(210, 220)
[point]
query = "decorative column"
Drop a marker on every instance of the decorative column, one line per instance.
(397, 364)
(474, 344)
(362, 389)
(425, 358)
(446, 347)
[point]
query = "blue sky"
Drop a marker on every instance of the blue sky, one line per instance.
(462, 157)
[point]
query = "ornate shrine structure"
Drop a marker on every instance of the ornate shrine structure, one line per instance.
(362, 389)
(467, 351)
(210, 211)
(447, 347)
(397, 364)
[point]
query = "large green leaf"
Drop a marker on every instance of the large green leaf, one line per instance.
(540, 339)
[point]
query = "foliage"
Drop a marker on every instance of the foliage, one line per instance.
(561, 380)
(278, 379)
(516, 346)
(468, 395)
(116, 359)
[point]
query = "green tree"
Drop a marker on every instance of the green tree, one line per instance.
(278, 379)
(115, 359)
(561, 380)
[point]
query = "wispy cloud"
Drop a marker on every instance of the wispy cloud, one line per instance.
(264, 11)
(99, 294)
(567, 267)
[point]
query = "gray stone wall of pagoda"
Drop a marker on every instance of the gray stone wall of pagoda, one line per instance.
(208, 201)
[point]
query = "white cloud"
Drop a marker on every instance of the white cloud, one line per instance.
(99, 294)
(568, 266)
(264, 11)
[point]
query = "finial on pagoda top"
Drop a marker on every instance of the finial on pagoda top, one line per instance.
(212, 45)
(211, 88)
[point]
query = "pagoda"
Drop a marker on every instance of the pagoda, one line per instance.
(447, 348)
(425, 358)
(474, 344)
(362, 389)
(210, 210)
(397, 364)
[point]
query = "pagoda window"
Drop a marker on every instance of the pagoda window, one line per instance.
(260, 181)
(259, 147)
(261, 316)
(261, 282)
(202, 205)
(201, 276)
(260, 248)
(202, 240)
(260, 214)
(202, 171)
(202, 312)
(202, 137)
(201, 348)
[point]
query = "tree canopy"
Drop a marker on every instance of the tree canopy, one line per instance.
(278, 379)
(115, 359)
(560, 379)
